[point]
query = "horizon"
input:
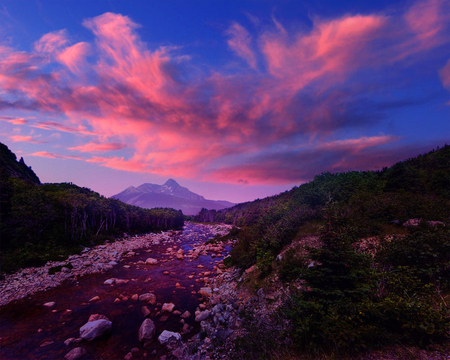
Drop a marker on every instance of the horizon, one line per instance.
(235, 101)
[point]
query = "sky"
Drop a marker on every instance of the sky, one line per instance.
(235, 100)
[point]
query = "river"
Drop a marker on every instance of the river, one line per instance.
(29, 330)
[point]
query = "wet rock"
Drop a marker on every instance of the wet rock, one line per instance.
(121, 281)
(45, 343)
(94, 317)
(94, 329)
(145, 311)
(167, 307)
(135, 297)
(148, 297)
(128, 356)
(69, 341)
(166, 335)
(95, 298)
(49, 304)
(147, 330)
(151, 261)
(186, 315)
(75, 353)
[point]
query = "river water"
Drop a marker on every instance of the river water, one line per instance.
(26, 325)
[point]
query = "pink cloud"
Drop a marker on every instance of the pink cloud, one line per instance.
(240, 41)
(22, 138)
(296, 94)
(52, 43)
(445, 75)
(52, 125)
(74, 57)
(96, 147)
(55, 156)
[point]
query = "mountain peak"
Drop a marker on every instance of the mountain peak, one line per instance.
(171, 183)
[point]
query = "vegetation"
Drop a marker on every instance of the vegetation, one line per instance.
(344, 301)
(48, 222)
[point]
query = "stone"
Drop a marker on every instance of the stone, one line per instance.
(94, 329)
(121, 281)
(95, 298)
(69, 341)
(75, 353)
(128, 356)
(166, 335)
(147, 330)
(49, 304)
(135, 297)
(145, 311)
(94, 317)
(205, 291)
(186, 315)
(151, 261)
(203, 316)
(45, 343)
(167, 307)
(166, 273)
(148, 297)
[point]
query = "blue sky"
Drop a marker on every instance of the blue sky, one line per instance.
(234, 99)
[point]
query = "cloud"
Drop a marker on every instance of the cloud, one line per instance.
(445, 75)
(96, 147)
(14, 120)
(302, 92)
(52, 125)
(55, 156)
(22, 138)
(74, 57)
(240, 41)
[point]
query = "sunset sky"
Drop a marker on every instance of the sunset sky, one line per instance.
(234, 99)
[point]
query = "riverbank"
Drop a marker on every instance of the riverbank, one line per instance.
(98, 259)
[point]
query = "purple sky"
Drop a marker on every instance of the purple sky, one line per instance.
(235, 100)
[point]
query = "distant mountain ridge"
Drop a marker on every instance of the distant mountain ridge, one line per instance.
(170, 194)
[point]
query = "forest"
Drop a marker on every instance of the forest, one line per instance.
(42, 222)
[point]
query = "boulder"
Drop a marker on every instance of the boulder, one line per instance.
(166, 335)
(147, 330)
(94, 329)
(75, 353)
(49, 304)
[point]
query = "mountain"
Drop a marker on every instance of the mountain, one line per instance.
(170, 194)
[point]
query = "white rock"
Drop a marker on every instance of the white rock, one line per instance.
(94, 329)
(147, 330)
(149, 297)
(49, 304)
(167, 307)
(166, 335)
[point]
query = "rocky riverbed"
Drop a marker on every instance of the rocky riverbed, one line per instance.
(129, 299)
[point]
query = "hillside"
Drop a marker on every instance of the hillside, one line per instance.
(344, 264)
(170, 194)
(50, 221)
